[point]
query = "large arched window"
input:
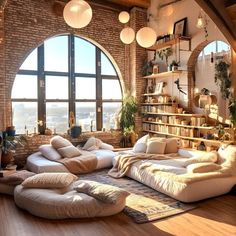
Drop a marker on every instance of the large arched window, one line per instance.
(66, 74)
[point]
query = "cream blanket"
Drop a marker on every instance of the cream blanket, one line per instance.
(85, 163)
(125, 161)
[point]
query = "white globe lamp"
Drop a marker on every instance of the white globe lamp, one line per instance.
(77, 13)
(124, 17)
(127, 35)
(146, 37)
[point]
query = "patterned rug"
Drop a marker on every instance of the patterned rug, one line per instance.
(143, 204)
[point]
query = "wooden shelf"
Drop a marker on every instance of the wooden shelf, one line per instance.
(174, 114)
(157, 104)
(163, 74)
(170, 43)
(178, 125)
(189, 138)
(155, 94)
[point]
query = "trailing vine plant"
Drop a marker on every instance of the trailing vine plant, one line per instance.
(222, 78)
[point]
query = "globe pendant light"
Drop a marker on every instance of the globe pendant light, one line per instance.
(146, 37)
(77, 13)
(124, 17)
(127, 35)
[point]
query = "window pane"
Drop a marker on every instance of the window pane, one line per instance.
(56, 87)
(85, 88)
(57, 116)
(111, 89)
(111, 115)
(84, 56)
(211, 47)
(56, 54)
(222, 46)
(24, 116)
(85, 115)
(31, 61)
(106, 66)
(25, 86)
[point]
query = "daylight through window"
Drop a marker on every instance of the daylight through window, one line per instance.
(66, 73)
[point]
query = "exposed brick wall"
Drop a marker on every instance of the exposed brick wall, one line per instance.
(26, 25)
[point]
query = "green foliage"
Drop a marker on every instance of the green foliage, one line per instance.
(10, 143)
(128, 110)
(222, 78)
(164, 54)
(232, 111)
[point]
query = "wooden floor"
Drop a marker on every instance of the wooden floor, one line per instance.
(214, 217)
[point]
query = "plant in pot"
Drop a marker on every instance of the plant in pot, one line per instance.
(8, 145)
(127, 121)
(164, 54)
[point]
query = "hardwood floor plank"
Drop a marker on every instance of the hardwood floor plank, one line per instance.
(213, 217)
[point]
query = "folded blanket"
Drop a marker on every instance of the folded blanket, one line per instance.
(16, 178)
(125, 161)
(85, 163)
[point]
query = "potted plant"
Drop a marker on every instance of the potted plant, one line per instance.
(127, 119)
(8, 145)
(174, 65)
(164, 54)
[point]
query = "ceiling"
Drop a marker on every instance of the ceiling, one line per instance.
(131, 3)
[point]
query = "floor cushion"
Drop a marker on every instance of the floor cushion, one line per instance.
(63, 203)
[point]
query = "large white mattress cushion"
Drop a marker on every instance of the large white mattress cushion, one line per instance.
(37, 163)
(190, 192)
(61, 204)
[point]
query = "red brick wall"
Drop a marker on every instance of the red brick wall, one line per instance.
(27, 24)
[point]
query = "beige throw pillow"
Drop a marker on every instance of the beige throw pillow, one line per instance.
(106, 146)
(59, 142)
(92, 144)
(171, 145)
(49, 180)
(205, 157)
(141, 145)
(202, 167)
(156, 147)
(69, 151)
(103, 192)
(49, 152)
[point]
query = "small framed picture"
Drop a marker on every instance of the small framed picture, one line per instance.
(158, 88)
(180, 27)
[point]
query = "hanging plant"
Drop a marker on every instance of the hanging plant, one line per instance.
(164, 54)
(232, 111)
(222, 78)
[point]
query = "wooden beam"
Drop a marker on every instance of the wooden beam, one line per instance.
(232, 11)
(132, 3)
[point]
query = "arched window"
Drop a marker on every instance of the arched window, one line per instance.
(66, 74)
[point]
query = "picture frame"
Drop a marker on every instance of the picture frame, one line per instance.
(158, 88)
(180, 27)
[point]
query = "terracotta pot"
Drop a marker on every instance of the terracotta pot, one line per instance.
(6, 159)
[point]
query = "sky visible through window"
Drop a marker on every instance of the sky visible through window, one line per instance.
(56, 87)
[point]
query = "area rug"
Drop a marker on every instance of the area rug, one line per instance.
(143, 204)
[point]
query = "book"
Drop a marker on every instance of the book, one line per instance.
(4, 172)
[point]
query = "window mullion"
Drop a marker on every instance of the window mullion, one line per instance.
(41, 90)
(98, 89)
(71, 51)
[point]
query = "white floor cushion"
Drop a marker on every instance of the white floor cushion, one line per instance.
(61, 204)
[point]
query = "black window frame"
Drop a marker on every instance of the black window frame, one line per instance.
(41, 79)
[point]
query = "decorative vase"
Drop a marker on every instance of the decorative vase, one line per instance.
(75, 131)
(6, 159)
(133, 138)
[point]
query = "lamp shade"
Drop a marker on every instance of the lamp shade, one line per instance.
(127, 35)
(124, 17)
(146, 37)
(77, 13)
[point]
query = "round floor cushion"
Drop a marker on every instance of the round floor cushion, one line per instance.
(62, 204)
